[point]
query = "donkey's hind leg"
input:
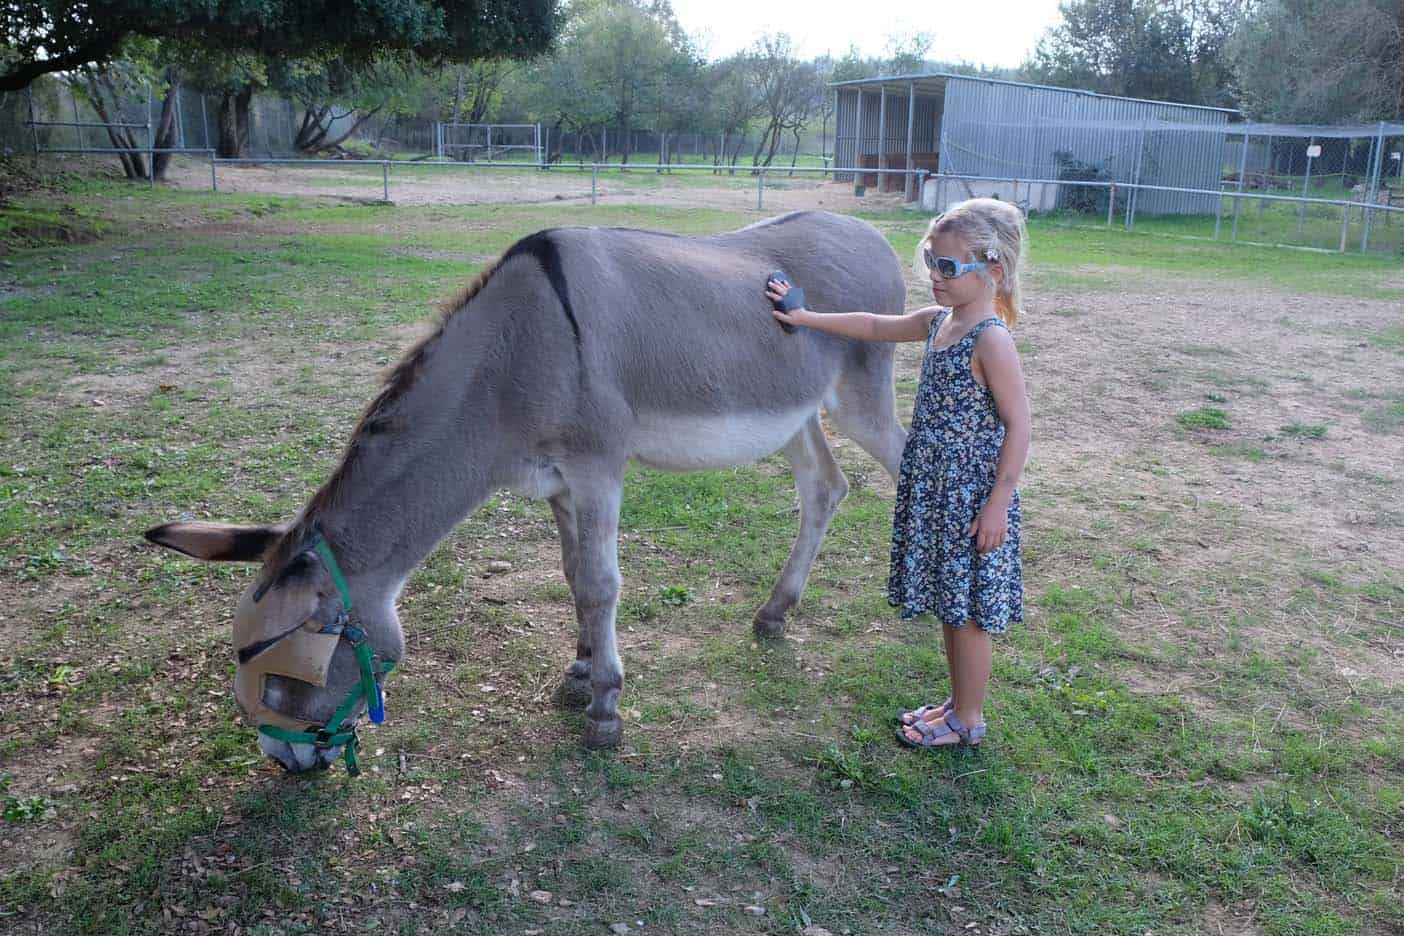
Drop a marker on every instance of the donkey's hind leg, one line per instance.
(595, 490)
(821, 487)
(575, 686)
(864, 408)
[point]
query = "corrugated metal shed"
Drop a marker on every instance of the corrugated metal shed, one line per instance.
(1012, 130)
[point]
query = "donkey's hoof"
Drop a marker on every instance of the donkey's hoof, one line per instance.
(603, 734)
(767, 627)
(573, 692)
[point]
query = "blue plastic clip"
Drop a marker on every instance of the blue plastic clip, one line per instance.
(377, 706)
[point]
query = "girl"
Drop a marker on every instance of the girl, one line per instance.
(955, 533)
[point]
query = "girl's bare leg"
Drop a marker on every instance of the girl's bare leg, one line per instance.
(948, 637)
(970, 671)
(970, 653)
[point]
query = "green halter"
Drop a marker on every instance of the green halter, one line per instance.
(367, 688)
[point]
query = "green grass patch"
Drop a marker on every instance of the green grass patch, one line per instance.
(1205, 417)
(1298, 430)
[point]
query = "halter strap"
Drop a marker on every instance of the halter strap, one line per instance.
(368, 687)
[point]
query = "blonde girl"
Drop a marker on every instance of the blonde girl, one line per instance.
(955, 532)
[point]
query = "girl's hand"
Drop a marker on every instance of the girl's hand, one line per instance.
(775, 291)
(991, 525)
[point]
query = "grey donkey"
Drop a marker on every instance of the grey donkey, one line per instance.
(578, 350)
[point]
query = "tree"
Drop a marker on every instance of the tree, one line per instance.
(1173, 51)
(905, 53)
(734, 104)
(324, 86)
(1307, 60)
(786, 91)
(617, 62)
(41, 36)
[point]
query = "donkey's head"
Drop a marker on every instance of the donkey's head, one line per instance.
(306, 668)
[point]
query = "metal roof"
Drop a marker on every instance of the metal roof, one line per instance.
(935, 83)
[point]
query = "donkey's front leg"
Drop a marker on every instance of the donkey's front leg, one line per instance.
(596, 502)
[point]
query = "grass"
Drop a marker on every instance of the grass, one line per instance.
(1205, 417)
(1298, 430)
(1261, 222)
(1173, 748)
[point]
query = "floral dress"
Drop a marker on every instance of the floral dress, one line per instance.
(948, 470)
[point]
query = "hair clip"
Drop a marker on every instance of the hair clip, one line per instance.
(991, 253)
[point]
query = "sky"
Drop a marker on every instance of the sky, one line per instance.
(1002, 37)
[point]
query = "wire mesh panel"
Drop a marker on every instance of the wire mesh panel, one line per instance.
(488, 142)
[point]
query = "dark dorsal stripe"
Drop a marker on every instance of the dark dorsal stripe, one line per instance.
(544, 249)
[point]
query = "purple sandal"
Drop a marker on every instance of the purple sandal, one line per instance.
(949, 725)
(919, 714)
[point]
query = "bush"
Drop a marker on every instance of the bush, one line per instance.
(1079, 198)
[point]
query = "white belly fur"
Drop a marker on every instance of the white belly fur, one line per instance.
(688, 443)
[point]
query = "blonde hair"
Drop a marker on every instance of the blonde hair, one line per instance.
(990, 229)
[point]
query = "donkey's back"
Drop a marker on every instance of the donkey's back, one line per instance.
(675, 338)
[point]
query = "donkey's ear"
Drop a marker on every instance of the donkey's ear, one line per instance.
(217, 542)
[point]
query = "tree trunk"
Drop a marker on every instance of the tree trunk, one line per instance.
(166, 126)
(457, 96)
(313, 138)
(243, 106)
(553, 151)
(133, 166)
(234, 123)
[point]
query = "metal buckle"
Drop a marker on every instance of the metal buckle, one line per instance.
(323, 739)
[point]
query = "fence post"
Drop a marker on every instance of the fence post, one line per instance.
(1372, 193)
(1111, 204)
(179, 119)
(594, 178)
(1219, 211)
(1242, 171)
(214, 183)
(1345, 224)
(1133, 201)
(385, 177)
(760, 189)
(150, 142)
(1306, 184)
(34, 129)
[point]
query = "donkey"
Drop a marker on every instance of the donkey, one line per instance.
(575, 352)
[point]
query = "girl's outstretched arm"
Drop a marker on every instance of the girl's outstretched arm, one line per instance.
(999, 364)
(865, 326)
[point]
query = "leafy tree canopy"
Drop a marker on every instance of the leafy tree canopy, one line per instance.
(41, 36)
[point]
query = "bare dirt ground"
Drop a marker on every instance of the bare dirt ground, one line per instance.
(465, 185)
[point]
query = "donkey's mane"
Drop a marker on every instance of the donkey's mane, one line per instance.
(374, 418)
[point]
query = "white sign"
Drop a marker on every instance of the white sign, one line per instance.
(1313, 151)
(1396, 156)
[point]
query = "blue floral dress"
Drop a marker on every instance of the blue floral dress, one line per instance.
(948, 470)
